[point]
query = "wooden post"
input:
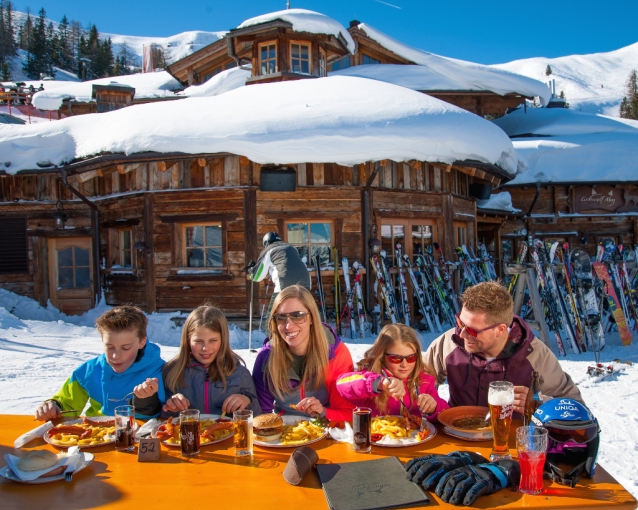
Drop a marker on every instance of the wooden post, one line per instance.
(149, 229)
(519, 294)
(537, 306)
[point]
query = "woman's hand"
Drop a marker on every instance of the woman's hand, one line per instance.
(234, 403)
(176, 403)
(393, 387)
(426, 403)
(147, 389)
(311, 406)
(47, 411)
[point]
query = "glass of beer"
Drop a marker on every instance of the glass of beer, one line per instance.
(124, 428)
(362, 429)
(243, 432)
(501, 400)
(189, 432)
(531, 444)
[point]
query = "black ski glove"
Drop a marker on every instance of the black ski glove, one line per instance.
(462, 486)
(429, 469)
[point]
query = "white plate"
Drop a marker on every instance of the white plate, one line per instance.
(79, 420)
(290, 420)
(410, 441)
(7, 472)
(469, 436)
(201, 417)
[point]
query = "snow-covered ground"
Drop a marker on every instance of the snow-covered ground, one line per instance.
(40, 348)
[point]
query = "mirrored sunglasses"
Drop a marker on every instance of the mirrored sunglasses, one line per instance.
(296, 317)
(460, 326)
(397, 358)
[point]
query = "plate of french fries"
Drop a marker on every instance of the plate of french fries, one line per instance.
(212, 429)
(392, 431)
(83, 432)
(296, 432)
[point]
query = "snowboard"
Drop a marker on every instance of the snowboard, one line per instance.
(614, 303)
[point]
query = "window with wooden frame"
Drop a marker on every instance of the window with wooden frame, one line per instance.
(268, 58)
(311, 238)
(460, 233)
(14, 253)
(125, 236)
(202, 245)
(340, 63)
(367, 59)
(300, 57)
(323, 68)
(421, 232)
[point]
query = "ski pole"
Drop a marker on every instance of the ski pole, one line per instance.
(263, 307)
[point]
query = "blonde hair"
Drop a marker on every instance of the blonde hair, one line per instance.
(374, 357)
(123, 318)
(492, 299)
(223, 365)
(280, 359)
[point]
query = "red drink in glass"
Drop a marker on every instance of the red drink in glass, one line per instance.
(531, 471)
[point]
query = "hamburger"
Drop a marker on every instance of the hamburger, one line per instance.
(267, 427)
(37, 460)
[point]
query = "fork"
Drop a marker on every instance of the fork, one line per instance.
(121, 399)
(68, 476)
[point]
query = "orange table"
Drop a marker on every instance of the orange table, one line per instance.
(217, 478)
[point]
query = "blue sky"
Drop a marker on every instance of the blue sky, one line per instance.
(489, 31)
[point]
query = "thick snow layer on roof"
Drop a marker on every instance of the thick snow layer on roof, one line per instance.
(305, 21)
(148, 85)
(220, 83)
(450, 74)
(336, 119)
(498, 202)
(561, 145)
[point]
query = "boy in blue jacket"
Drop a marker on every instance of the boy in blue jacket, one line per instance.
(129, 364)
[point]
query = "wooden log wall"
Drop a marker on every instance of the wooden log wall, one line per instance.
(481, 104)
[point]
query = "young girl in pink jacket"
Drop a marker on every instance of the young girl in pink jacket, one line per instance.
(392, 371)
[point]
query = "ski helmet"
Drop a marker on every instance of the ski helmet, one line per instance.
(271, 237)
(574, 437)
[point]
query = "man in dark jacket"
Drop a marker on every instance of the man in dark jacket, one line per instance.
(490, 343)
(282, 262)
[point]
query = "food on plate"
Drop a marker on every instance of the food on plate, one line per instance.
(411, 419)
(471, 423)
(85, 433)
(211, 430)
(393, 427)
(268, 427)
(300, 433)
(98, 423)
(36, 460)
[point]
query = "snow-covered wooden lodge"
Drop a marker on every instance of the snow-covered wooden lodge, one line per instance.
(163, 204)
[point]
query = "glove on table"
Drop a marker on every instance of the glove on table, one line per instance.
(428, 470)
(463, 485)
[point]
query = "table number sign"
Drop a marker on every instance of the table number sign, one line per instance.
(148, 449)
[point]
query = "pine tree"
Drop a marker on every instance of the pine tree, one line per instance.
(7, 33)
(629, 104)
(26, 32)
(548, 70)
(64, 55)
(38, 53)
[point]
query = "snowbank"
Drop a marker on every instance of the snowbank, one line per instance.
(305, 21)
(444, 73)
(498, 202)
(561, 145)
(148, 85)
(336, 119)
(220, 83)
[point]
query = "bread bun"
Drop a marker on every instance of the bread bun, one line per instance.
(267, 439)
(267, 420)
(36, 460)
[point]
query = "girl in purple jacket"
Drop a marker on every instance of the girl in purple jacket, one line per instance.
(392, 372)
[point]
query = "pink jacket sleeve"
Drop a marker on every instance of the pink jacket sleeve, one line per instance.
(428, 386)
(355, 386)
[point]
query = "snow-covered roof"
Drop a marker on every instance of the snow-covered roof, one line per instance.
(147, 85)
(305, 21)
(443, 73)
(337, 119)
(498, 202)
(220, 83)
(560, 145)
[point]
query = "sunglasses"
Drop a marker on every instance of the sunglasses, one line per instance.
(460, 326)
(397, 358)
(581, 436)
(295, 317)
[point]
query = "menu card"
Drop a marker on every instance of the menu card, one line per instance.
(368, 485)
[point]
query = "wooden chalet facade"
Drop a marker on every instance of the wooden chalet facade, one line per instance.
(174, 230)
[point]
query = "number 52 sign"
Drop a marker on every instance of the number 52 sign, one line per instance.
(148, 449)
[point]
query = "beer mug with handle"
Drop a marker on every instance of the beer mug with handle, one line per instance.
(501, 401)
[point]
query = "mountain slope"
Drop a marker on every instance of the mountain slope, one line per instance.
(592, 83)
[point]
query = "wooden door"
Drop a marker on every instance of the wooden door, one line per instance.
(70, 274)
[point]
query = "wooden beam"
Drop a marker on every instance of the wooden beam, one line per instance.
(448, 168)
(124, 169)
(87, 176)
(244, 161)
(162, 166)
(201, 162)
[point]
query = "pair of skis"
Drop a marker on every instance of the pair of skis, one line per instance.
(353, 293)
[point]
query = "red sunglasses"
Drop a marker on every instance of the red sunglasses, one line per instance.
(397, 358)
(460, 326)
